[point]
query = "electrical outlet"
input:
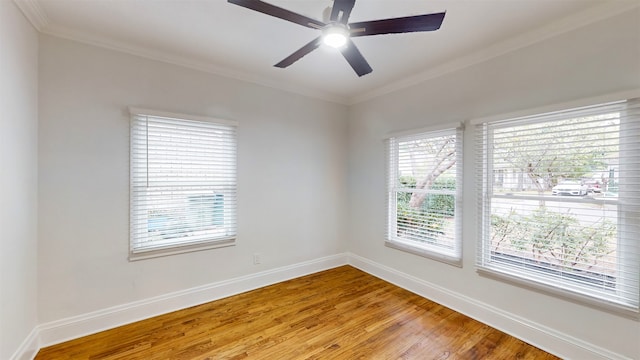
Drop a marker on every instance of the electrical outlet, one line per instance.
(256, 259)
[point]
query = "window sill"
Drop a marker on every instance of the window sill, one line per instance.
(532, 283)
(424, 252)
(135, 255)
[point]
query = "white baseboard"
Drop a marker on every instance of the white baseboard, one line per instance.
(29, 347)
(70, 328)
(550, 340)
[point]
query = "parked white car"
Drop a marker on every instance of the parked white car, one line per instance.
(570, 188)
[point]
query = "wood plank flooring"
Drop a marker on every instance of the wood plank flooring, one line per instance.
(342, 313)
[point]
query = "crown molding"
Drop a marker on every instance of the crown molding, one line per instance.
(34, 13)
(572, 22)
(166, 57)
(38, 18)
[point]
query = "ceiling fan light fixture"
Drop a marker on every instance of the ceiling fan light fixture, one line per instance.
(337, 30)
(335, 36)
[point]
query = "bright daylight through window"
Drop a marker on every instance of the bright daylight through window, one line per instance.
(183, 183)
(424, 194)
(560, 202)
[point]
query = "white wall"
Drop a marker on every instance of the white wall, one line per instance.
(294, 153)
(291, 177)
(18, 177)
(595, 60)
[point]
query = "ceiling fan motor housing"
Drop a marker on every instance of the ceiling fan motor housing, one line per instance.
(326, 14)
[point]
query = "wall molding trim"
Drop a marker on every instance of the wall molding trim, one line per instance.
(187, 62)
(38, 18)
(29, 347)
(62, 330)
(545, 338)
(550, 340)
(34, 13)
(559, 27)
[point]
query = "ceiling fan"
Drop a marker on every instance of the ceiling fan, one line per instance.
(337, 31)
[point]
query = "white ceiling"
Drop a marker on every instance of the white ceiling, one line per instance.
(223, 38)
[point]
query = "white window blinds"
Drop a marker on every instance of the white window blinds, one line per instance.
(424, 185)
(183, 182)
(560, 202)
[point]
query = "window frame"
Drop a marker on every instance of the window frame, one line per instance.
(453, 256)
(137, 252)
(528, 279)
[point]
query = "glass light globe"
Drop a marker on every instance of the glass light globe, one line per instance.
(335, 36)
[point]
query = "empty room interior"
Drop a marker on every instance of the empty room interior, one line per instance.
(452, 179)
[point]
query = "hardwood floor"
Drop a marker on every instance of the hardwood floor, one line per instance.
(342, 313)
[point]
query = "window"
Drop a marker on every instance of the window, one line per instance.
(560, 202)
(183, 184)
(424, 194)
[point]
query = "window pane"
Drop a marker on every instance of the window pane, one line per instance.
(426, 163)
(431, 223)
(570, 240)
(557, 192)
(183, 178)
(423, 195)
(574, 156)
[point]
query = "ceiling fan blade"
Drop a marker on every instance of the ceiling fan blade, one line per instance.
(355, 59)
(284, 14)
(429, 22)
(341, 10)
(299, 53)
